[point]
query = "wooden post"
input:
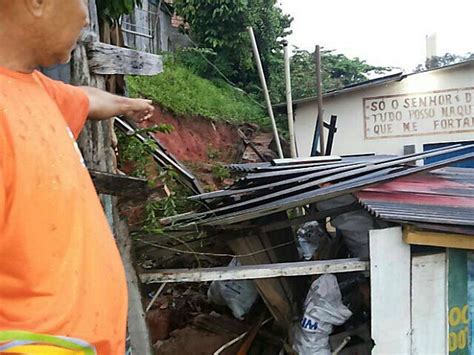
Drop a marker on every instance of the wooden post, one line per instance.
(289, 101)
(332, 131)
(96, 142)
(319, 88)
(265, 90)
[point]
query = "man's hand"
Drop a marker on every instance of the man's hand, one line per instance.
(140, 110)
(103, 105)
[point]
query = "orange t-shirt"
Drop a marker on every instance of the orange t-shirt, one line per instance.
(60, 270)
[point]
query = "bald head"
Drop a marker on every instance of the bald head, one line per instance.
(39, 32)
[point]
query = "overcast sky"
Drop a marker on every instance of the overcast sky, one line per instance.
(389, 33)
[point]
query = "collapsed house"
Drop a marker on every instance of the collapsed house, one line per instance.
(388, 229)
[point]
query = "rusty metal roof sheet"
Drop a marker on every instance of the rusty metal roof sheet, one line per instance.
(443, 197)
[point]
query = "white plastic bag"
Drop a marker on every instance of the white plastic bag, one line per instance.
(309, 239)
(323, 310)
(239, 296)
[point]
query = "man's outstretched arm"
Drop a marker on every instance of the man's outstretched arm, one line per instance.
(103, 105)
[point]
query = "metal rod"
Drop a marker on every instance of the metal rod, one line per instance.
(342, 345)
(319, 88)
(289, 101)
(265, 90)
(155, 297)
(136, 33)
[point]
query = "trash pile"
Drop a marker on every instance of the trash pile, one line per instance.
(299, 218)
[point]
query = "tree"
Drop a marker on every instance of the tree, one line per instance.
(221, 27)
(112, 10)
(441, 61)
(337, 71)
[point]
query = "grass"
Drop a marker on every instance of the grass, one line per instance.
(181, 91)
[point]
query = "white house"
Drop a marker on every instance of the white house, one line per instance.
(396, 113)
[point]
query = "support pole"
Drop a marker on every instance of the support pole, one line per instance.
(265, 90)
(289, 101)
(322, 145)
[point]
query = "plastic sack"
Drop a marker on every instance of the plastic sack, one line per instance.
(239, 296)
(323, 310)
(309, 239)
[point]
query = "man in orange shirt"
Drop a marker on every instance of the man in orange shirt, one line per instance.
(62, 284)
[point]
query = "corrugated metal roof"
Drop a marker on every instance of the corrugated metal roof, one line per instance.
(443, 197)
(265, 193)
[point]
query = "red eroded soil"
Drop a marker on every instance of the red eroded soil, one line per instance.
(197, 139)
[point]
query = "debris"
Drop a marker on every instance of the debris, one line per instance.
(323, 310)
(239, 296)
(342, 346)
(245, 347)
(250, 336)
(155, 297)
(360, 341)
(221, 324)
(194, 341)
(354, 226)
(308, 235)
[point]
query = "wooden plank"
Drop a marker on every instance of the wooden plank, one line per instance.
(390, 291)
(96, 144)
(105, 59)
(119, 185)
(271, 289)
(255, 272)
(437, 239)
(428, 311)
(294, 288)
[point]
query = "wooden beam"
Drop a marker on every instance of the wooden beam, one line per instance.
(119, 185)
(448, 240)
(107, 59)
(272, 290)
(254, 272)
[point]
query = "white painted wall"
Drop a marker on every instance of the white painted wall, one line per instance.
(408, 297)
(350, 137)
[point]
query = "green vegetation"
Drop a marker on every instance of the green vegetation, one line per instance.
(138, 153)
(177, 202)
(112, 10)
(441, 61)
(181, 91)
(220, 27)
(220, 172)
(337, 71)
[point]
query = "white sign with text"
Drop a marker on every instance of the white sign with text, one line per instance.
(446, 111)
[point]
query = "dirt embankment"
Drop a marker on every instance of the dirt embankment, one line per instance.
(198, 139)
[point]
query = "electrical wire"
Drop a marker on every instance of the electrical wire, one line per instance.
(214, 254)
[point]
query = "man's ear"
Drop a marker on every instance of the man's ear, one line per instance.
(35, 7)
